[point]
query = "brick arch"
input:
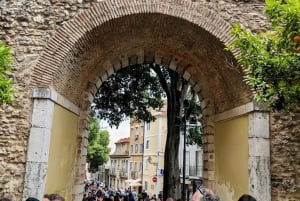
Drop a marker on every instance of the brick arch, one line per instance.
(66, 43)
(69, 57)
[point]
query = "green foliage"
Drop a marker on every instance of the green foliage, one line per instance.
(6, 90)
(133, 90)
(192, 112)
(98, 141)
(129, 92)
(195, 135)
(270, 58)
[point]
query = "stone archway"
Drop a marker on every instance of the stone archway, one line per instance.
(111, 35)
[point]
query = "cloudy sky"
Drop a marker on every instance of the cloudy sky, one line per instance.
(115, 134)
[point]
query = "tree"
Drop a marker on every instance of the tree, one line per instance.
(132, 91)
(98, 150)
(272, 59)
(129, 92)
(6, 90)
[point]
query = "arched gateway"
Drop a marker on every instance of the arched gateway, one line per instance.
(187, 37)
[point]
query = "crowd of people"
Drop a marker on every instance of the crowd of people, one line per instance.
(46, 197)
(95, 192)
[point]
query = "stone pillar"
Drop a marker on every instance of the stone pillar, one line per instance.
(39, 144)
(259, 156)
(208, 145)
(39, 141)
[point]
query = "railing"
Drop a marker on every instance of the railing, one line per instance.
(126, 152)
(195, 171)
(123, 174)
(113, 172)
(134, 174)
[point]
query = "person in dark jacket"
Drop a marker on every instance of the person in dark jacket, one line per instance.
(246, 197)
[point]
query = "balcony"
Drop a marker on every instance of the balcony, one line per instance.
(123, 174)
(193, 171)
(134, 175)
(112, 172)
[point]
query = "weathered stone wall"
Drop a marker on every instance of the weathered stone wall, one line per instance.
(285, 157)
(26, 26)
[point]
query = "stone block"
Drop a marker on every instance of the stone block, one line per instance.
(259, 125)
(35, 179)
(259, 147)
(39, 144)
(42, 113)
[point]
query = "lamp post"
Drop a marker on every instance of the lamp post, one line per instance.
(184, 159)
(186, 105)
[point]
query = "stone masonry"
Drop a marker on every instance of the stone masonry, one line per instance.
(27, 26)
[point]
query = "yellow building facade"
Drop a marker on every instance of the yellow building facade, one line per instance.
(119, 170)
(154, 147)
(136, 155)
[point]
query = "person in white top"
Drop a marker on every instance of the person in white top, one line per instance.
(204, 194)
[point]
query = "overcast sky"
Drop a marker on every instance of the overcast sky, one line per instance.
(116, 134)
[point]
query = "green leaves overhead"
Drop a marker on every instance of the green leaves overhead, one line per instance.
(129, 92)
(271, 59)
(6, 90)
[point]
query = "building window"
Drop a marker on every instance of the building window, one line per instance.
(146, 164)
(148, 125)
(146, 185)
(136, 148)
(141, 148)
(130, 164)
(135, 166)
(141, 166)
(187, 162)
(147, 144)
(142, 129)
(131, 149)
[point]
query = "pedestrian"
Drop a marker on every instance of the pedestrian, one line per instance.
(246, 197)
(53, 197)
(130, 197)
(99, 195)
(204, 194)
(153, 197)
(5, 199)
(32, 199)
(159, 197)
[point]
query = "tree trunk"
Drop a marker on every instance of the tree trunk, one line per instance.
(172, 187)
(175, 91)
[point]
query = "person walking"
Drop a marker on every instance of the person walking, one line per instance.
(204, 194)
(246, 197)
(53, 197)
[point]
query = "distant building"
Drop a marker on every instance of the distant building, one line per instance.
(193, 165)
(136, 155)
(119, 167)
(138, 162)
(154, 149)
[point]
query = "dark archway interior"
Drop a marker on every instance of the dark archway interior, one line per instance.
(145, 38)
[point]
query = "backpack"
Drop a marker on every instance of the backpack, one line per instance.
(206, 196)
